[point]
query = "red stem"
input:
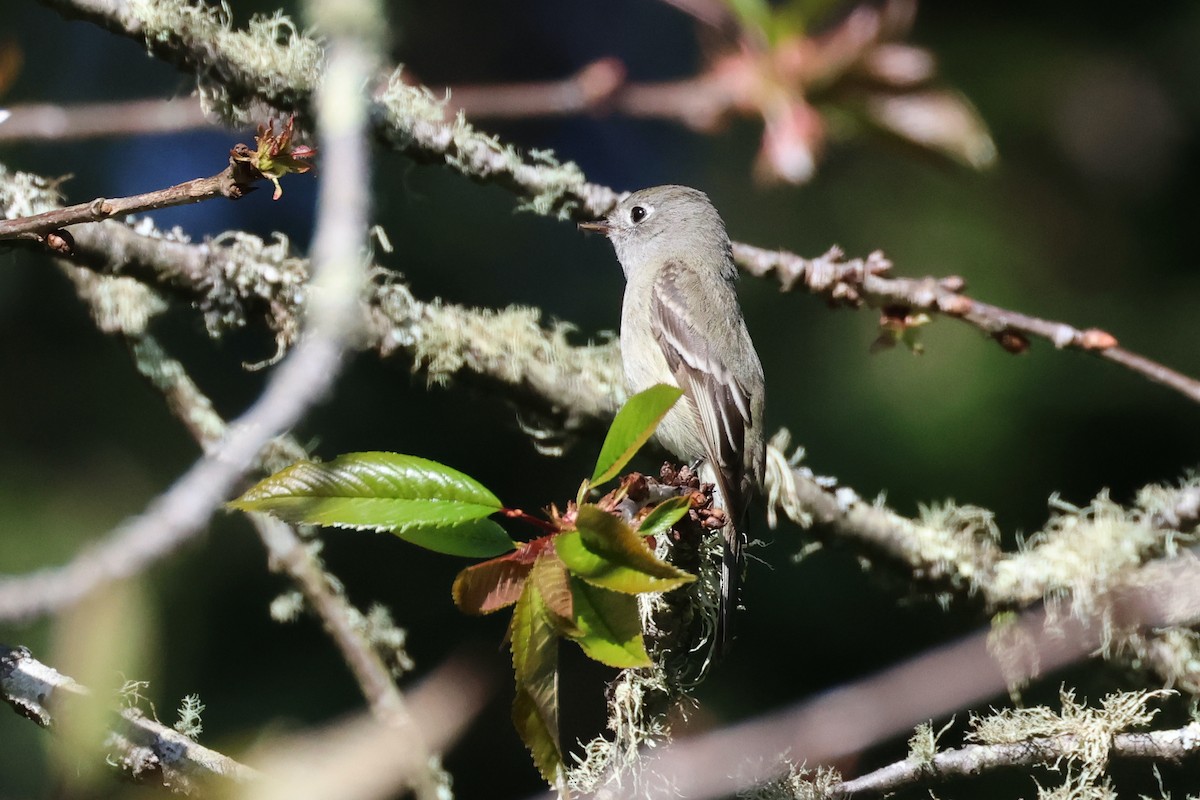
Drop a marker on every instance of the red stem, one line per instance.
(516, 513)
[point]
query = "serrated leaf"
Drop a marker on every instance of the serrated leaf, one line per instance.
(539, 740)
(422, 501)
(664, 515)
(550, 579)
(535, 666)
(478, 538)
(498, 582)
(606, 552)
(495, 584)
(610, 627)
(633, 425)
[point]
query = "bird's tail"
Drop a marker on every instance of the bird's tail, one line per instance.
(731, 582)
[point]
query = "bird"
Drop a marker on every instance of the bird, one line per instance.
(682, 325)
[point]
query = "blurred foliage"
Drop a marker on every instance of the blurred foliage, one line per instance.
(1086, 218)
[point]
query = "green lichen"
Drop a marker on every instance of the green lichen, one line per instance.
(270, 58)
(956, 541)
(798, 784)
(1080, 554)
(24, 194)
(245, 267)
(1090, 730)
(637, 701)
(1015, 651)
(189, 722)
(923, 744)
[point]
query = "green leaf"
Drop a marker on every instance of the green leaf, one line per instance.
(664, 515)
(540, 740)
(634, 424)
(606, 552)
(610, 627)
(421, 501)
(535, 666)
(755, 14)
(478, 538)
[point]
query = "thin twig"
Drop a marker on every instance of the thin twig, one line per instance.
(232, 182)
(286, 550)
(854, 281)
(65, 122)
(143, 749)
(601, 87)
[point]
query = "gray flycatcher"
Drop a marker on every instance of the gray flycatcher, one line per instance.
(681, 325)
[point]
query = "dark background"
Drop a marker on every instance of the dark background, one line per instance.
(1089, 217)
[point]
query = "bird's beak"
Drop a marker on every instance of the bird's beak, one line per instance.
(599, 226)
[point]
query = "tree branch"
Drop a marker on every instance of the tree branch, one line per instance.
(303, 378)
(143, 749)
(865, 280)
(286, 550)
(975, 760)
(59, 122)
(232, 182)
(949, 549)
(355, 758)
(411, 119)
(846, 720)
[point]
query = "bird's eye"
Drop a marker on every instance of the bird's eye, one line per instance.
(638, 213)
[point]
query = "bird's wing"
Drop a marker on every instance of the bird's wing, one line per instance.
(720, 400)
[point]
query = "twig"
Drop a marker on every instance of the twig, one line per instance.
(232, 182)
(143, 749)
(1081, 553)
(414, 122)
(851, 282)
(348, 759)
(59, 122)
(955, 548)
(979, 759)
(286, 550)
(601, 87)
(359, 759)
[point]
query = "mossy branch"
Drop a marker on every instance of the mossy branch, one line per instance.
(951, 550)
(271, 62)
(143, 749)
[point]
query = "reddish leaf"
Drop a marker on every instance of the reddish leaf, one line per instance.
(553, 584)
(498, 582)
